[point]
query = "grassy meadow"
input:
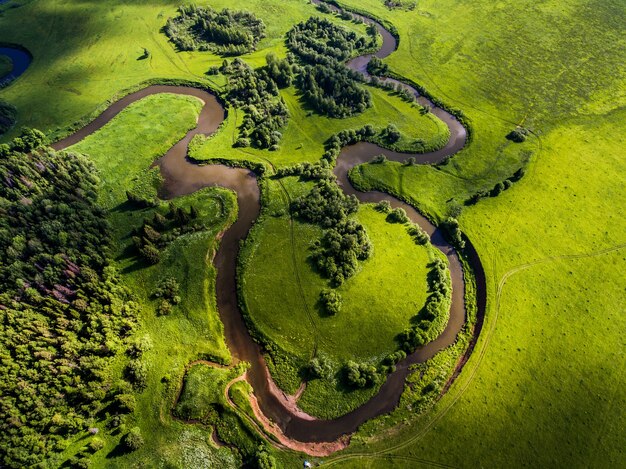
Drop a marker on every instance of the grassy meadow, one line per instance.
(543, 384)
(282, 289)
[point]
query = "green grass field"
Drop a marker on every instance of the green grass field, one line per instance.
(282, 290)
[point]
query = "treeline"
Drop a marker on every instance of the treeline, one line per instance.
(326, 84)
(256, 93)
(227, 32)
(497, 189)
(440, 289)
(344, 242)
(64, 314)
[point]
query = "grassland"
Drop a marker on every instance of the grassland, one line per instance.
(122, 150)
(543, 385)
(282, 289)
(5, 65)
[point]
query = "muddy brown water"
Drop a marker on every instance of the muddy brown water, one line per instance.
(181, 177)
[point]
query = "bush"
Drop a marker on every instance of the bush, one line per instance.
(150, 254)
(96, 444)
(133, 439)
(125, 403)
(383, 206)
(518, 135)
(398, 215)
(8, 114)
(419, 236)
(451, 228)
(330, 301)
(391, 134)
(361, 375)
(319, 367)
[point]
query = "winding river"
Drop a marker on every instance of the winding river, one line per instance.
(183, 177)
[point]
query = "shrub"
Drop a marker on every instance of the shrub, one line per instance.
(150, 254)
(518, 135)
(383, 206)
(331, 301)
(8, 114)
(398, 215)
(361, 375)
(319, 367)
(419, 236)
(96, 444)
(451, 228)
(133, 439)
(125, 403)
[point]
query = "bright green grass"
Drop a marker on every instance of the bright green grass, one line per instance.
(281, 291)
(5, 65)
(204, 386)
(87, 52)
(114, 151)
(193, 330)
(305, 134)
(543, 385)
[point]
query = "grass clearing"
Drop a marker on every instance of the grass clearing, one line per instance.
(282, 290)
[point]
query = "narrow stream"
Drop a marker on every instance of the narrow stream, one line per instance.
(183, 177)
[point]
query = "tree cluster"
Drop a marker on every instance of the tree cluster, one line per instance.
(344, 241)
(361, 375)
(326, 84)
(333, 90)
(518, 135)
(160, 230)
(331, 301)
(226, 32)
(318, 41)
(497, 189)
(440, 287)
(256, 93)
(64, 315)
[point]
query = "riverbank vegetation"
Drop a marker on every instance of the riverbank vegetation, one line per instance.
(8, 114)
(6, 65)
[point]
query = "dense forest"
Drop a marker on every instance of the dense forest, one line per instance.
(64, 315)
(227, 32)
(326, 84)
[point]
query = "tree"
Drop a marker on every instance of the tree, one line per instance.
(330, 301)
(133, 439)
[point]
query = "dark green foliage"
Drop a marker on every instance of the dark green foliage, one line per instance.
(319, 41)
(264, 459)
(451, 227)
(419, 235)
(319, 367)
(383, 206)
(256, 93)
(226, 32)
(168, 289)
(8, 114)
(497, 189)
(345, 242)
(281, 71)
(400, 5)
(337, 254)
(377, 67)
(307, 171)
(150, 254)
(440, 287)
(391, 134)
(125, 403)
(331, 301)
(360, 375)
(133, 439)
(380, 159)
(333, 90)
(326, 205)
(518, 135)
(63, 313)
(138, 200)
(397, 215)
